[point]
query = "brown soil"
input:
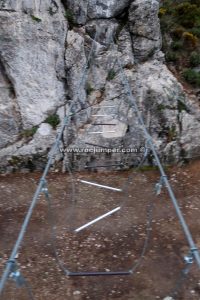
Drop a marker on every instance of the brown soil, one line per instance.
(114, 243)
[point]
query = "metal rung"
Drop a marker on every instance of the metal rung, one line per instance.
(104, 166)
(119, 273)
(97, 219)
(100, 185)
(101, 132)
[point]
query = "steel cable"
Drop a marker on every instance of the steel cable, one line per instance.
(149, 140)
(53, 150)
(125, 189)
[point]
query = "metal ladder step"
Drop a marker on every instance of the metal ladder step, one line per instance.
(101, 132)
(104, 166)
(116, 273)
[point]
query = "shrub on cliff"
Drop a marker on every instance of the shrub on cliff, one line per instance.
(180, 25)
(195, 59)
(192, 77)
(190, 40)
(187, 14)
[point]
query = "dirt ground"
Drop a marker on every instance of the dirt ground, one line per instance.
(114, 243)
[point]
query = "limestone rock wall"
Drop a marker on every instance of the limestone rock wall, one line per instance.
(44, 46)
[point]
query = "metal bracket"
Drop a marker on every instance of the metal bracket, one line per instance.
(159, 185)
(146, 148)
(192, 250)
(45, 188)
(15, 274)
(189, 259)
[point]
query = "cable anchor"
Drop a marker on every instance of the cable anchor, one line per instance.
(45, 188)
(146, 147)
(16, 275)
(189, 259)
(159, 185)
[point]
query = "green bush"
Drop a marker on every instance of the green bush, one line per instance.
(195, 59)
(171, 56)
(190, 40)
(177, 45)
(192, 77)
(197, 2)
(187, 14)
(162, 12)
(53, 120)
(195, 31)
(166, 23)
(180, 22)
(177, 32)
(70, 17)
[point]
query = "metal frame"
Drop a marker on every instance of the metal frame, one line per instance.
(165, 181)
(194, 250)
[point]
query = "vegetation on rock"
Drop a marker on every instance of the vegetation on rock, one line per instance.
(111, 75)
(53, 120)
(27, 133)
(89, 89)
(70, 18)
(36, 19)
(180, 26)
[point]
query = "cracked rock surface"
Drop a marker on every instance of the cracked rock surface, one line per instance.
(44, 48)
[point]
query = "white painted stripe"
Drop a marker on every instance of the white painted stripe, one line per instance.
(98, 132)
(97, 219)
(100, 185)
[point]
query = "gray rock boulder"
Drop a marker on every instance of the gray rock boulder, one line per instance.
(82, 11)
(106, 9)
(32, 51)
(28, 153)
(145, 28)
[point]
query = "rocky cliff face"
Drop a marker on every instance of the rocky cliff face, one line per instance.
(44, 46)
